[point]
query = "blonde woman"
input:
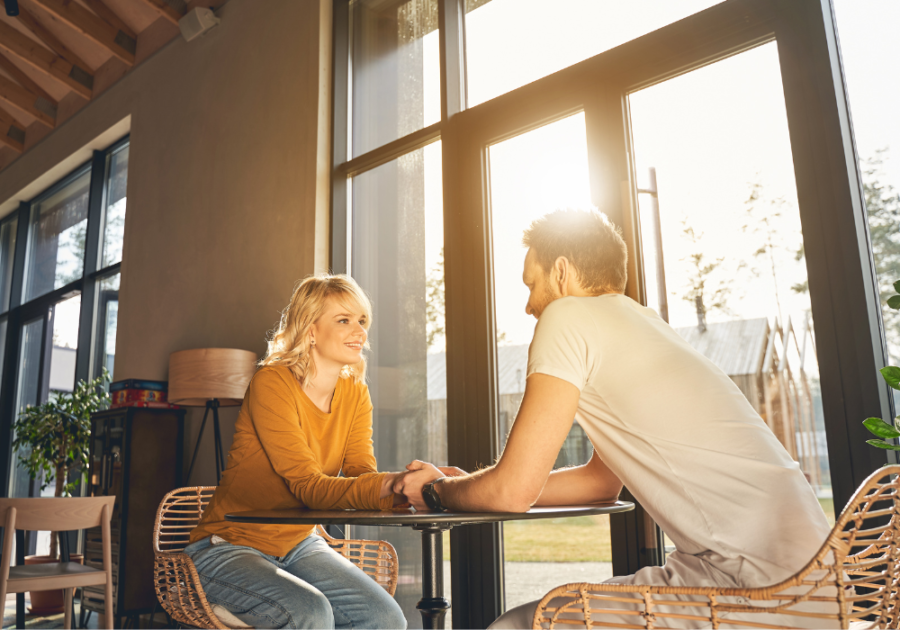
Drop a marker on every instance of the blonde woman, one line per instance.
(306, 418)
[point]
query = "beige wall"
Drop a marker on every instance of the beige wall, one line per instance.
(227, 182)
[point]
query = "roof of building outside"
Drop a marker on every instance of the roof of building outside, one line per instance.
(737, 347)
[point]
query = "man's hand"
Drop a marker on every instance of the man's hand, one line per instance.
(410, 485)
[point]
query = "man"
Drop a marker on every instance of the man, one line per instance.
(663, 419)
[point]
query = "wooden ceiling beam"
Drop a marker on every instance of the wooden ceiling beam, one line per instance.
(12, 132)
(167, 9)
(75, 77)
(25, 81)
(17, 96)
(111, 17)
(94, 28)
(52, 41)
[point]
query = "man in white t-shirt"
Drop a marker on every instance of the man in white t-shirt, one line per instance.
(663, 420)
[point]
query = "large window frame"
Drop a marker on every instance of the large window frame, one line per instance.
(850, 340)
(87, 363)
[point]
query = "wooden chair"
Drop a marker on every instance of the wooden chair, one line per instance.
(853, 579)
(178, 584)
(56, 515)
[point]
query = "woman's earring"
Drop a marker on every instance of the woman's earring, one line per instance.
(312, 342)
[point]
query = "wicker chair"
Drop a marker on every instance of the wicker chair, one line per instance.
(178, 584)
(857, 570)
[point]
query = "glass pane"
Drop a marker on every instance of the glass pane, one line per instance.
(7, 254)
(513, 42)
(46, 367)
(107, 319)
(395, 70)
(531, 175)
(65, 317)
(56, 239)
(397, 258)
(867, 46)
(116, 198)
(27, 390)
(733, 277)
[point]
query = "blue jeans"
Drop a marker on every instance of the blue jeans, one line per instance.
(313, 586)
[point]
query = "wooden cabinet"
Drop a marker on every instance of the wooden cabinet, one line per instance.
(136, 455)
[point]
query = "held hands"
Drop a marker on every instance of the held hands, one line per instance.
(421, 473)
(410, 485)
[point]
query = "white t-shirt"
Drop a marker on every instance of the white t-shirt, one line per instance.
(682, 438)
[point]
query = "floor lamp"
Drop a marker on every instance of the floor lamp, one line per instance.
(211, 378)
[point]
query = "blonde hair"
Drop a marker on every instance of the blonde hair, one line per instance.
(593, 245)
(289, 344)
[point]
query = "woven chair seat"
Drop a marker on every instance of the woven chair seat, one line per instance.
(852, 582)
(176, 579)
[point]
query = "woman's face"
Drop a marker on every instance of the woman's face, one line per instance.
(339, 335)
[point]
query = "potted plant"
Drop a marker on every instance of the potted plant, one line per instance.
(891, 374)
(53, 441)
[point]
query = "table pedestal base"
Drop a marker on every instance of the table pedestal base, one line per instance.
(433, 605)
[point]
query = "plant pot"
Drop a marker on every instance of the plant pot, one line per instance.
(49, 602)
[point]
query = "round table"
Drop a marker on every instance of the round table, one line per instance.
(433, 605)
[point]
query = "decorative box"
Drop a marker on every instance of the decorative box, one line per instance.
(135, 392)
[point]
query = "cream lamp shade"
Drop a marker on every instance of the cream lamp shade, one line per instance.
(200, 375)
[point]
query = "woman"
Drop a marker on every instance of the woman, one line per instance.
(306, 418)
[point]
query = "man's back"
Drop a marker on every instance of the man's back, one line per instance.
(682, 437)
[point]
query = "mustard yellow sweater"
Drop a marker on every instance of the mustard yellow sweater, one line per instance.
(287, 453)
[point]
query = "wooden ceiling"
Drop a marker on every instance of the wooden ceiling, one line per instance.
(57, 55)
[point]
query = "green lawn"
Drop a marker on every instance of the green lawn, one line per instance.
(582, 539)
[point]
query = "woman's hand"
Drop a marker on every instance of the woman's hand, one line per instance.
(387, 486)
(451, 471)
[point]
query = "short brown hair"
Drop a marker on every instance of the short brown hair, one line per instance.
(591, 243)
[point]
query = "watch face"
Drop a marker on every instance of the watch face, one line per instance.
(430, 497)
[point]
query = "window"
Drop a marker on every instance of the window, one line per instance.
(865, 51)
(397, 240)
(60, 255)
(513, 42)
(542, 105)
(396, 76)
(733, 279)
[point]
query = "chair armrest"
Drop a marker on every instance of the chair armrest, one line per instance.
(377, 559)
(179, 590)
(649, 606)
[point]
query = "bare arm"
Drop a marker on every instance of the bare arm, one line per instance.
(517, 480)
(590, 483)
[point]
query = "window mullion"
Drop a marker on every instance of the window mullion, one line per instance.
(451, 21)
(85, 355)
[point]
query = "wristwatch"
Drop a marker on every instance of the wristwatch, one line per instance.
(431, 497)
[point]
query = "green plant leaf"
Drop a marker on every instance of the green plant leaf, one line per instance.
(881, 428)
(891, 374)
(883, 444)
(896, 288)
(894, 302)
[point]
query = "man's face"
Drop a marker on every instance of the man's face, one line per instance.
(539, 286)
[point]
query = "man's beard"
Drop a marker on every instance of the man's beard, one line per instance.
(546, 296)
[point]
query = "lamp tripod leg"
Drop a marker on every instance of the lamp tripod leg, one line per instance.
(197, 445)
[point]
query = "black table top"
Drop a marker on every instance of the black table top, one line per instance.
(411, 517)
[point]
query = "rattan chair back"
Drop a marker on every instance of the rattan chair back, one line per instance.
(178, 583)
(852, 579)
